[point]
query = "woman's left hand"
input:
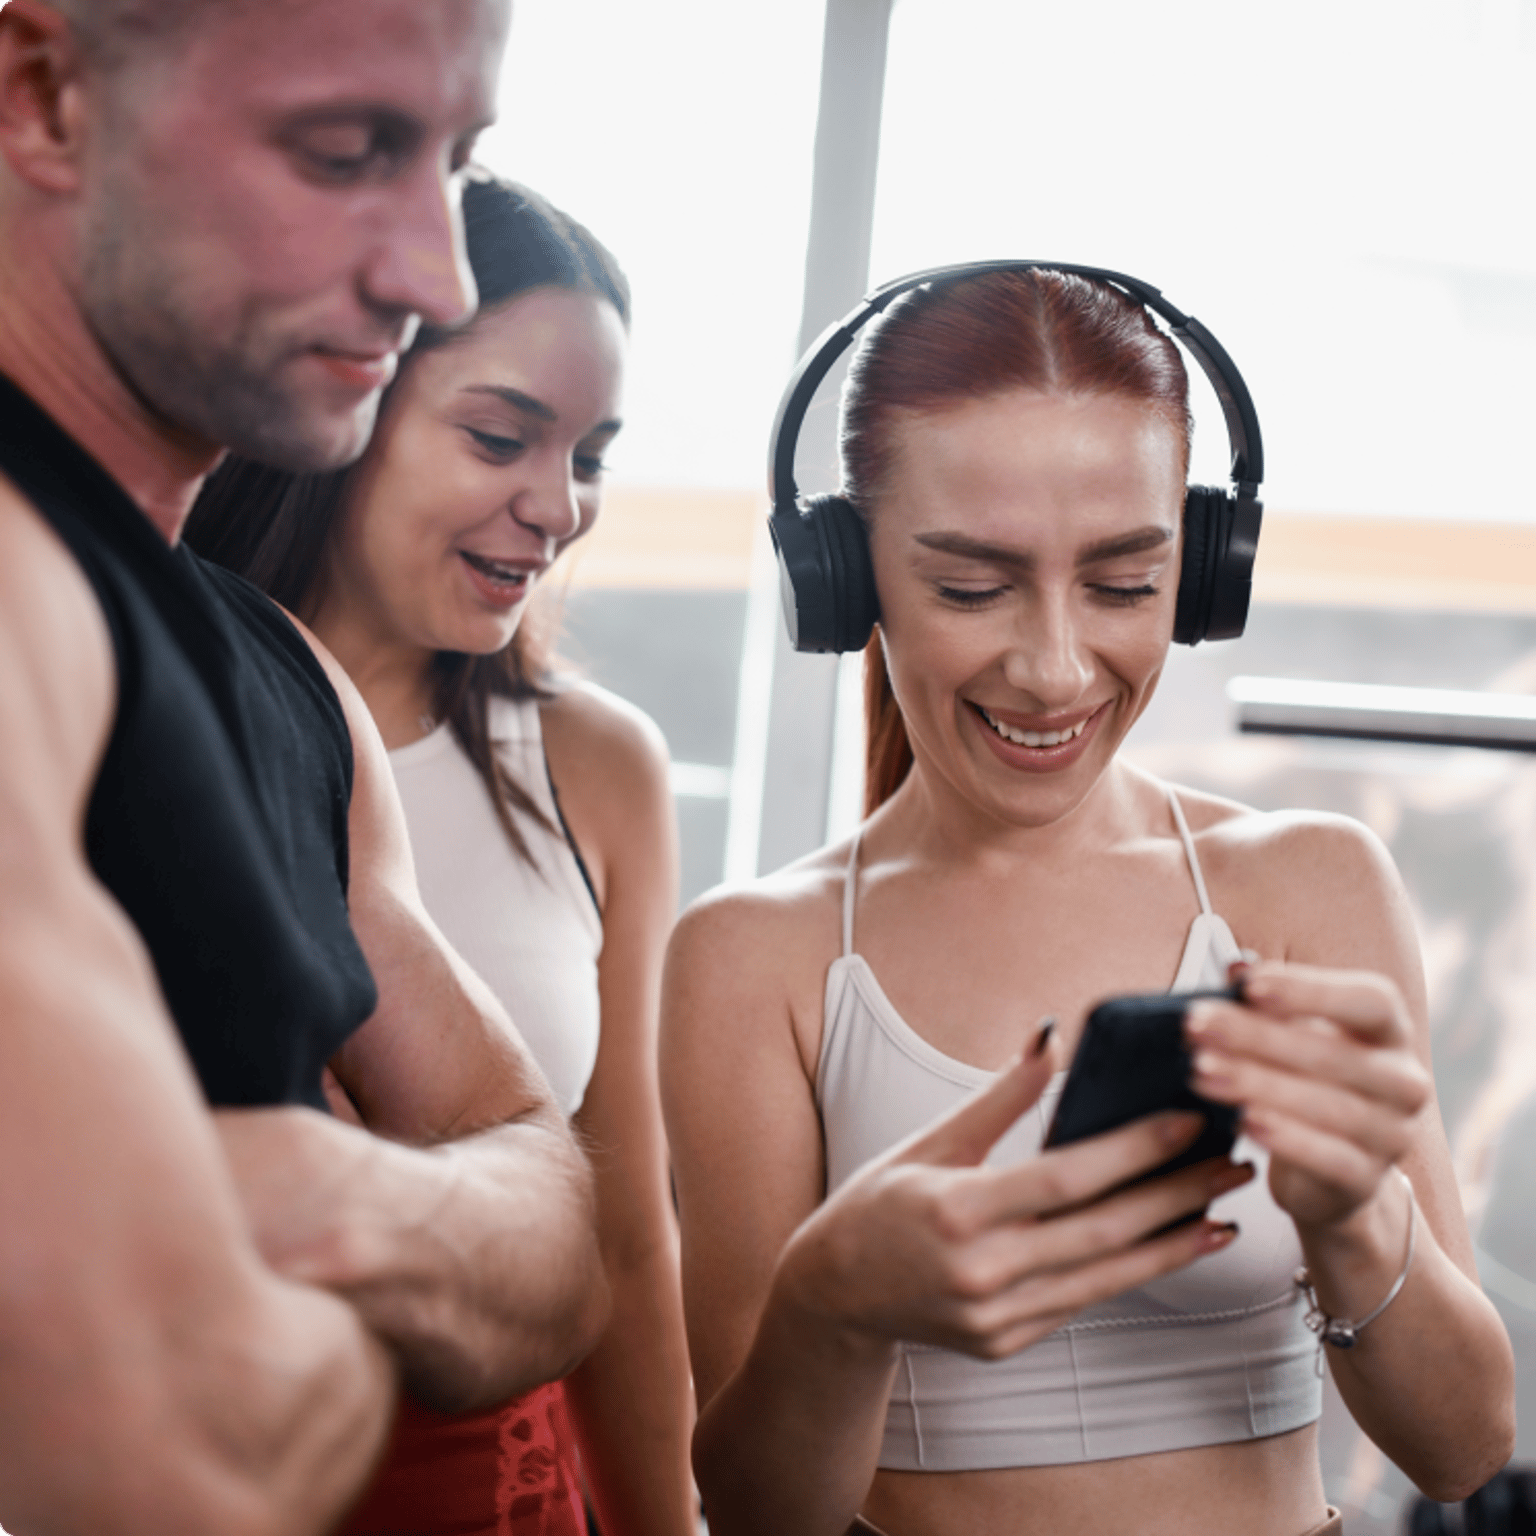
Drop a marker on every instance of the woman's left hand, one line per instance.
(1323, 1067)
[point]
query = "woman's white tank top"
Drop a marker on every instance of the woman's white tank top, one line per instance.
(1214, 1353)
(532, 932)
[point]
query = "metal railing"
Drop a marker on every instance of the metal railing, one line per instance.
(1371, 712)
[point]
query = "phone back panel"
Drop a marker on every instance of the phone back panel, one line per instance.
(1132, 1062)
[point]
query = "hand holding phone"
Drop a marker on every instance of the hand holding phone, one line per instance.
(1132, 1062)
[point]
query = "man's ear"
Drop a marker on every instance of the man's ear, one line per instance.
(41, 95)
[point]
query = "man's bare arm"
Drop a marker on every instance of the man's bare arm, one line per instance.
(466, 1236)
(155, 1375)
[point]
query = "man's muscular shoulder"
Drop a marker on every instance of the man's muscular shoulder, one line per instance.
(57, 676)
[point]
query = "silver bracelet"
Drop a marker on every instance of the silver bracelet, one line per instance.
(1339, 1331)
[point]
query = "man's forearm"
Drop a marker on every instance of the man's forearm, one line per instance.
(479, 1263)
(317, 1395)
(155, 1375)
(476, 1261)
(267, 1426)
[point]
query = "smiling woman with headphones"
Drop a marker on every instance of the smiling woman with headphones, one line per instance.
(902, 1312)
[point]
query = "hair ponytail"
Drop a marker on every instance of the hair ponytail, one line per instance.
(888, 753)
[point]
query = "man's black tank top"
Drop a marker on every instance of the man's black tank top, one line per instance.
(219, 817)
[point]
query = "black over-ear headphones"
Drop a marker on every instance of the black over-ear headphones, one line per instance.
(826, 579)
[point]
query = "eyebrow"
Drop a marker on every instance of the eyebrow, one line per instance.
(1137, 543)
(528, 404)
(531, 405)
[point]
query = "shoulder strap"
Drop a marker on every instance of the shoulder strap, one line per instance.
(850, 890)
(1189, 850)
(570, 841)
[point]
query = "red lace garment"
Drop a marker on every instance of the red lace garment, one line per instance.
(510, 1471)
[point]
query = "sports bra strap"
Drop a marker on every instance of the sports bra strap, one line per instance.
(1189, 850)
(850, 889)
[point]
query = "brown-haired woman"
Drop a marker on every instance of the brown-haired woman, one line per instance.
(415, 567)
(898, 1307)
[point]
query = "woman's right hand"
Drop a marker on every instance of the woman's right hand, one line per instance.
(928, 1244)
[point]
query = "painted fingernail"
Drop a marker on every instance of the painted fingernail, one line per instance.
(1214, 1069)
(1180, 1127)
(1043, 1032)
(1232, 1178)
(1218, 1237)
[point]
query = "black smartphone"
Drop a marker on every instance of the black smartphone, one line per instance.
(1131, 1062)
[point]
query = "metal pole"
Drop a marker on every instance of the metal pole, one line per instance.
(803, 700)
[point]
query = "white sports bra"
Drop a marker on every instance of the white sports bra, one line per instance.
(532, 932)
(1213, 1353)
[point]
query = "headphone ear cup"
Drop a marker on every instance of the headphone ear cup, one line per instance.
(1197, 569)
(1232, 589)
(826, 580)
(1221, 538)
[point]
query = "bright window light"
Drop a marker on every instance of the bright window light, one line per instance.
(680, 132)
(1339, 189)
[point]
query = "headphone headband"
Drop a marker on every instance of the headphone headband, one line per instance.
(1236, 403)
(827, 578)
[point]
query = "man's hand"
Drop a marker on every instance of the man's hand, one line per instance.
(298, 1173)
(434, 1247)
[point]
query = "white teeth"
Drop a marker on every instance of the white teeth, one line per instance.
(1034, 738)
(495, 569)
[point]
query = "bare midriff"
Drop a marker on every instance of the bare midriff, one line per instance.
(1270, 1487)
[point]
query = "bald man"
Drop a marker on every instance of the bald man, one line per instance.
(220, 223)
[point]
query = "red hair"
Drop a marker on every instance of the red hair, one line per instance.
(943, 344)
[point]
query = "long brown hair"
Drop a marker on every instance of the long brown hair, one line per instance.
(272, 526)
(942, 344)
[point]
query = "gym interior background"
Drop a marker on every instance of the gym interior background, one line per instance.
(1339, 189)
